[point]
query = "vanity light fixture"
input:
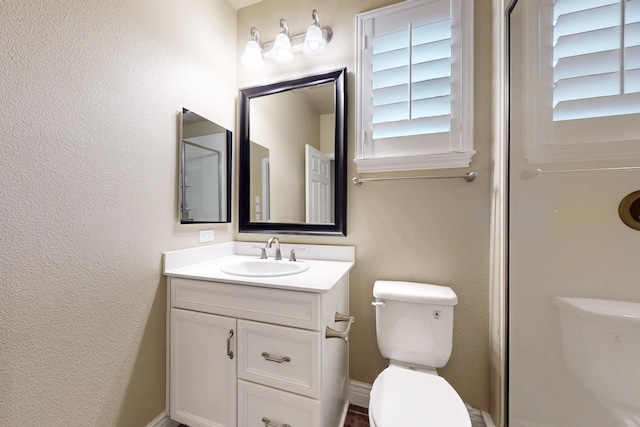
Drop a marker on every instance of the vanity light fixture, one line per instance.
(252, 56)
(313, 43)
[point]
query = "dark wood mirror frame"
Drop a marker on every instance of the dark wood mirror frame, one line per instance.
(339, 226)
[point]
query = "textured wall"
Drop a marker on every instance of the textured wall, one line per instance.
(426, 231)
(90, 93)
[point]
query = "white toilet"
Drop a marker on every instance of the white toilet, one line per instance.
(414, 324)
(601, 346)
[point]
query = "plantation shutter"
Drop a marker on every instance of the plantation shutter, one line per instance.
(583, 80)
(596, 57)
(410, 76)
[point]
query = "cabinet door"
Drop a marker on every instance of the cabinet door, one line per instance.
(203, 373)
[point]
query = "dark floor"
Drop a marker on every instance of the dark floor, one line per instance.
(357, 417)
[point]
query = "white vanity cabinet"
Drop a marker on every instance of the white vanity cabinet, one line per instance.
(253, 356)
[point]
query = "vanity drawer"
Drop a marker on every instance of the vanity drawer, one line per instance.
(280, 306)
(257, 402)
(279, 356)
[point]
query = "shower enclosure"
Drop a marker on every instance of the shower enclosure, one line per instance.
(573, 157)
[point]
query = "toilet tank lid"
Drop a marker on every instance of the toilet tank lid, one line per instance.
(414, 292)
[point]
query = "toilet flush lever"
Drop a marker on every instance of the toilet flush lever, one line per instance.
(379, 304)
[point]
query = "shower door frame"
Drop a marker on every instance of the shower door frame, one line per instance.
(501, 246)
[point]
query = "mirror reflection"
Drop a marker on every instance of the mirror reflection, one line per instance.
(260, 183)
(205, 167)
(292, 151)
(292, 156)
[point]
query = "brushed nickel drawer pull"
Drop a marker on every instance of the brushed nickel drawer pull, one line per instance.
(229, 351)
(267, 423)
(268, 357)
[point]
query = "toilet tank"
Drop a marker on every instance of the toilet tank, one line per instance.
(414, 322)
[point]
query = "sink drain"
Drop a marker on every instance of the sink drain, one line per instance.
(629, 210)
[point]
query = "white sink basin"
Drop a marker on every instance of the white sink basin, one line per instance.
(264, 268)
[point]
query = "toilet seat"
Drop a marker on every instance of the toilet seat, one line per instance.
(402, 397)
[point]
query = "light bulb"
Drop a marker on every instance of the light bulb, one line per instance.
(314, 42)
(282, 49)
(252, 56)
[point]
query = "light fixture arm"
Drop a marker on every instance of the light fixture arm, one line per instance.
(255, 35)
(327, 34)
(284, 28)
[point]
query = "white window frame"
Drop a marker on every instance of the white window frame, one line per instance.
(459, 150)
(546, 141)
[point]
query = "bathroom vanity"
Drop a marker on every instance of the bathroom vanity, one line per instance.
(262, 346)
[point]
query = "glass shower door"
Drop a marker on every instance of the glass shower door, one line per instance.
(573, 263)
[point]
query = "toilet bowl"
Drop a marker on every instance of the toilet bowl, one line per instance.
(407, 398)
(414, 328)
(601, 347)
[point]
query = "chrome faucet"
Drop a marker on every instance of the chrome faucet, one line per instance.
(277, 242)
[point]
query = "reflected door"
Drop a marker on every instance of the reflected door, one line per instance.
(318, 186)
(201, 194)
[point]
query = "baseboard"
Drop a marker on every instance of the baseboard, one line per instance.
(359, 393)
(163, 420)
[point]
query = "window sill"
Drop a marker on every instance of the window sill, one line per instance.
(460, 159)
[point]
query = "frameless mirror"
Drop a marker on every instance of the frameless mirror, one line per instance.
(292, 140)
(205, 170)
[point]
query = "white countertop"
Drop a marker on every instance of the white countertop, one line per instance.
(327, 265)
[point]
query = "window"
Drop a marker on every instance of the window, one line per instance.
(584, 79)
(596, 58)
(415, 86)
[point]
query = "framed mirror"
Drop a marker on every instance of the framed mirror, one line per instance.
(292, 168)
(205, 170)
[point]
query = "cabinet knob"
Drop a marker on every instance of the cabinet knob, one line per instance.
(267, 423)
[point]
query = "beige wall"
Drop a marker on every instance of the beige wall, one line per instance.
(91, 92)
(426, 231)
(90, 95)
